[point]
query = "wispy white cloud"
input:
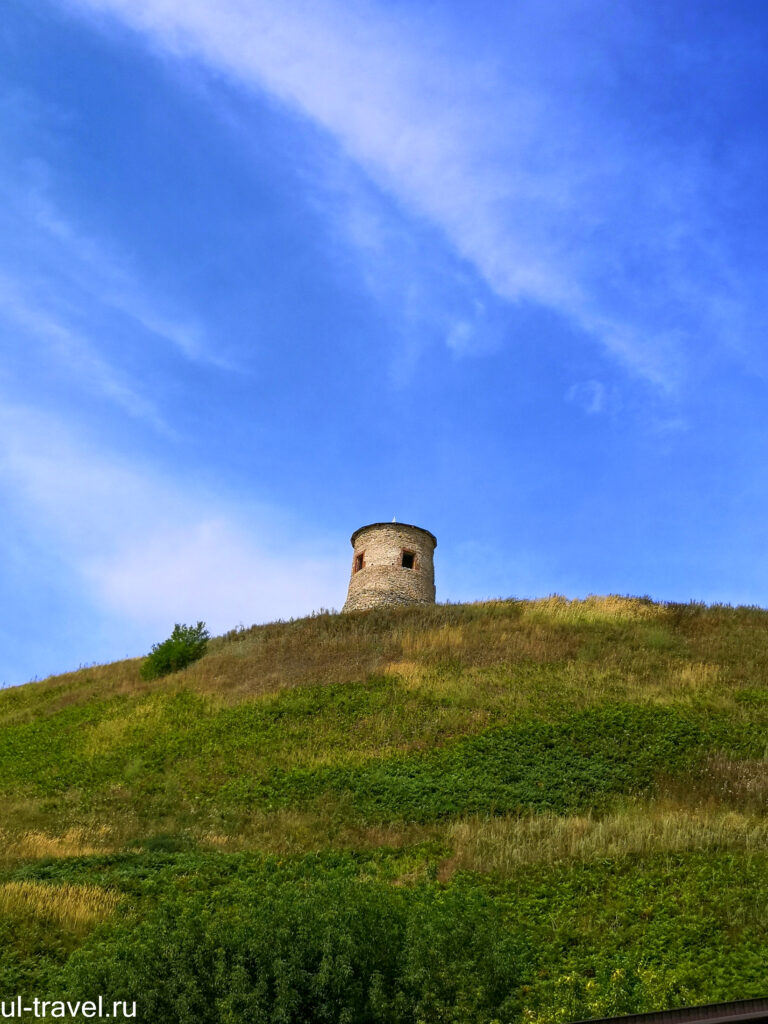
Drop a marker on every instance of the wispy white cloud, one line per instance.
(148, 549)
(589, 395)
(96, 268)
(71, 349)
(546, 201)
(81, 303)
(430, 297)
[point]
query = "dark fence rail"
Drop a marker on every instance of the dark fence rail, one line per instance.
(753, 1010)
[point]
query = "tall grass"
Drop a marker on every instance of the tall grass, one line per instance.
(75, 842)
(75, 907)
(501, 845)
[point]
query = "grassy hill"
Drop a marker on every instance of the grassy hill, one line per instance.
(503, 811)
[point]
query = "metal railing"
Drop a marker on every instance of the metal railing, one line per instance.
(753, 1010)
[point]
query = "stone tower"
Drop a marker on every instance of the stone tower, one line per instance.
(392, 565)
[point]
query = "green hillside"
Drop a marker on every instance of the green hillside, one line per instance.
(505, 811)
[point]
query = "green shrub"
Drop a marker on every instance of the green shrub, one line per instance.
(185, 645)
(336, 951)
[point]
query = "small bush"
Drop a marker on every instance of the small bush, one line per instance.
(185, 645)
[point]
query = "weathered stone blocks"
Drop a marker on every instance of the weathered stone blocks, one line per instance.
(393, 564)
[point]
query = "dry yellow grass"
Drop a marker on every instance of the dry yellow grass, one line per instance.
(444, 640)
(75, 907)
(265, 659)
(487, 641)
(594, 608)
(695, 676)
(579, 682)
(662, 684)
(75, 842)
(344, 648)
(39, 845)
(744, 783)
(297, 832)
(501, 845)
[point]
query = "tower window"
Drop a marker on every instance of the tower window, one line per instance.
(409, 560)
(359, 561)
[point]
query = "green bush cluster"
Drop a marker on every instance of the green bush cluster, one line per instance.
(370, 939)
(185, 645)
(330, 950)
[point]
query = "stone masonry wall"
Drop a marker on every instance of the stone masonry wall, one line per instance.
(382, 580)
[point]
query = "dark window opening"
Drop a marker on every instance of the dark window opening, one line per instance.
(409, 560)
(359, 562)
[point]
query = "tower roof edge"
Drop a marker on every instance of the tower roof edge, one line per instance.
(400, 526)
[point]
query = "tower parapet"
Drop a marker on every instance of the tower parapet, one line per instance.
(393, 564)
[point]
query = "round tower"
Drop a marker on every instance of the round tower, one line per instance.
(392, 565)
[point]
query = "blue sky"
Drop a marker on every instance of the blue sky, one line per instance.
(273, 269)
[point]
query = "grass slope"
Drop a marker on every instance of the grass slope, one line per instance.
(493, 812)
